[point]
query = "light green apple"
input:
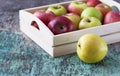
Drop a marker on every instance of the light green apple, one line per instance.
(74, 18)
(91, 48)
(57, 9)
(88, 22)
(92, 12)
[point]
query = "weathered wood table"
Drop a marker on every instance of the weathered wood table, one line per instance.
(20, 56)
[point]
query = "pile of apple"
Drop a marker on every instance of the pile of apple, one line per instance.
(76, 16)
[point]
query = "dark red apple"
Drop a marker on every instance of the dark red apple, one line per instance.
(45, 17)
(104, 8)
(111, 17)
(60, 25)
(93, 3)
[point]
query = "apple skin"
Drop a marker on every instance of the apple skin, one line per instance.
(104, 8)
(111, 17)
(91, 48)
(45, 17)
(93, 3)
(57, 9)
(77, 7)
(74, 18)
(61, 25)
(88, 22)
(92, 12)
(85, 1)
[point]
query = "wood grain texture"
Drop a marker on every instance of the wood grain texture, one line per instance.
(20, 56)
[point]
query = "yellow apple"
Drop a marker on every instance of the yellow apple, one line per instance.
(91, 48)
(88, 22)
(74, 18)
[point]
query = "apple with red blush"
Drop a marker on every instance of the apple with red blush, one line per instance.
(111, 17)
(77, 7)
(61, 25)
(93, 3)
(104, 8)
(74, 18)
(44, 16)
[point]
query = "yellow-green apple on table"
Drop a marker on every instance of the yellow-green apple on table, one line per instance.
(57, 9)
(74, 18)
(104, 8)
(61, 25)
(91, 48)
(88, 22)
(93, 3)
(45, 17)
(111, 17)
(77, 7)
(92, 12)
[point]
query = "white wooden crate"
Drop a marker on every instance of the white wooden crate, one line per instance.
(61, 44)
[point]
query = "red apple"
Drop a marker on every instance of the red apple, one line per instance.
(74, 18)
(93, 3)
(60, 25)
(104, 8)
(77, 7)
(45, 17)
(111, 17)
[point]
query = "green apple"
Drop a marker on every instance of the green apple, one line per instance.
(91, 48)
(88, 22)
(92, 12)
(77, 7)
(74, 18)
(57, 9)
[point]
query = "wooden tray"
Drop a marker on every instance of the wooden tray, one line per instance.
(57, 45)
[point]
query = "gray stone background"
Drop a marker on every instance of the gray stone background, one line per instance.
(20, 56)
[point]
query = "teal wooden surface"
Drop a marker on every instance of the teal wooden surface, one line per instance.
(20, 56)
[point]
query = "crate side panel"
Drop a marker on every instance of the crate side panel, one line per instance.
(37, 36)
(74, 36)
(71, 48)
(43, 33)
